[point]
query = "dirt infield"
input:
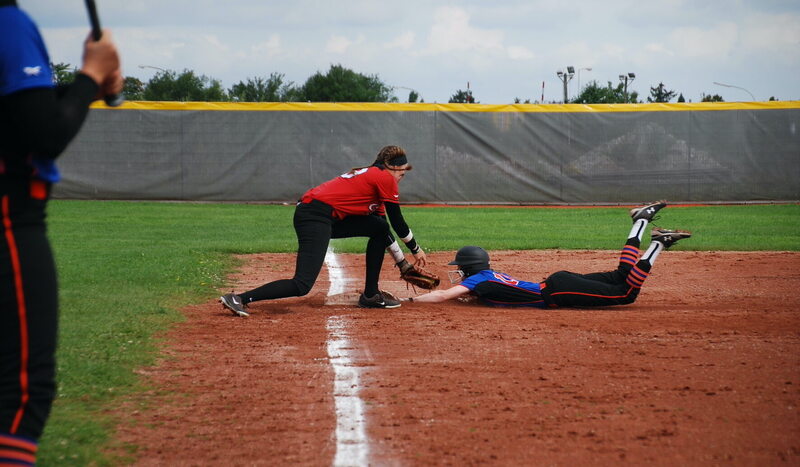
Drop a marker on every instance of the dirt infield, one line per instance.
(704, 369)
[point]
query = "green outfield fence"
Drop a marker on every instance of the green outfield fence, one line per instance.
(462, 153)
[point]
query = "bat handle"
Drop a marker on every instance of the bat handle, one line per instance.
(114, 100)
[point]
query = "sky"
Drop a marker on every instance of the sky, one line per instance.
(501, 49)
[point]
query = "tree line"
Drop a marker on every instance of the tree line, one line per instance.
(594, 93)
(338, 84)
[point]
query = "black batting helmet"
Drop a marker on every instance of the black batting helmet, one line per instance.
(471, 260)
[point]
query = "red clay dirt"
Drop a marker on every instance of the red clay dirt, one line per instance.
(704, 369)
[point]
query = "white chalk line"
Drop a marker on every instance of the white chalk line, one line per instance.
(352, 444)
(335, 273)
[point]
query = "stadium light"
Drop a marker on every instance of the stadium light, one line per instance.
(625, 79)
(565, 78)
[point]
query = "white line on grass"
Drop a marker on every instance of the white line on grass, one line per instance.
(352, 448)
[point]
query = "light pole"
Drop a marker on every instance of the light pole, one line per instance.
(565, 78)
(737, 87)
(625, 79)
(579, 77)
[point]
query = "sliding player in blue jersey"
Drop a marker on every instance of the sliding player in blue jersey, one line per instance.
(563, 289)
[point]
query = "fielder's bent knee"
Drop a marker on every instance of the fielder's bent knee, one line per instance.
(302, 287)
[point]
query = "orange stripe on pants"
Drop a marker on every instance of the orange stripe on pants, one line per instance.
(21, 311)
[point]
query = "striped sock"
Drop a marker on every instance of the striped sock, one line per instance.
(629, 256)
(652, 252)
(630, 252)
(17, 451)
(637, 277)
(638, 229)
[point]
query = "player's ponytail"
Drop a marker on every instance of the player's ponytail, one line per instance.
(388, 157)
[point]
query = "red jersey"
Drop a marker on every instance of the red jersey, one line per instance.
(356, 194)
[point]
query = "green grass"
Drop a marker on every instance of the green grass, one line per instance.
(741, 228)
(126, 268)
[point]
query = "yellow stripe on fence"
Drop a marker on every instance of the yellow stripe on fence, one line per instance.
(433, 107)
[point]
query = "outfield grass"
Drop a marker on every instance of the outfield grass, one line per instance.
(126, 268)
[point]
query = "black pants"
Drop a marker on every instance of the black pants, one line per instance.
(315, 227)
(28, 311)
(618, 287)
(596, 289)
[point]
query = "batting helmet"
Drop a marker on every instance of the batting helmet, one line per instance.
(471, 260)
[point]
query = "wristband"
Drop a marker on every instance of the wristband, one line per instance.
(411, 244)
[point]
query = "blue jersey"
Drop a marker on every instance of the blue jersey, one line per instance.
(497, 288)
(24, 64)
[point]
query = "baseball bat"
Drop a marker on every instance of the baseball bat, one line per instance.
(117, 99)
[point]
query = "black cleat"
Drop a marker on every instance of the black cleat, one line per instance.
(234, 303)
(379, 300)
(648, 212)
(669, 237)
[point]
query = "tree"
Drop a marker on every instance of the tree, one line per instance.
(272, 89)
(187, 86)
(710, 98)
(413, 96)
(133, 89)
(659, 94)
(340, 84)
(681, 98)
(593, 93)
(462, 97)
(63, 73)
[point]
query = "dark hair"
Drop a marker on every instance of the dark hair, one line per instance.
(389, 154)
(388, 157)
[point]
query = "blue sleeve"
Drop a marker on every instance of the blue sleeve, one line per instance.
(24, 62)
(472, 281)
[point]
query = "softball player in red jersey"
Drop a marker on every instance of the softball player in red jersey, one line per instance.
(563, 289)
(37, 121)
(354, 204)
